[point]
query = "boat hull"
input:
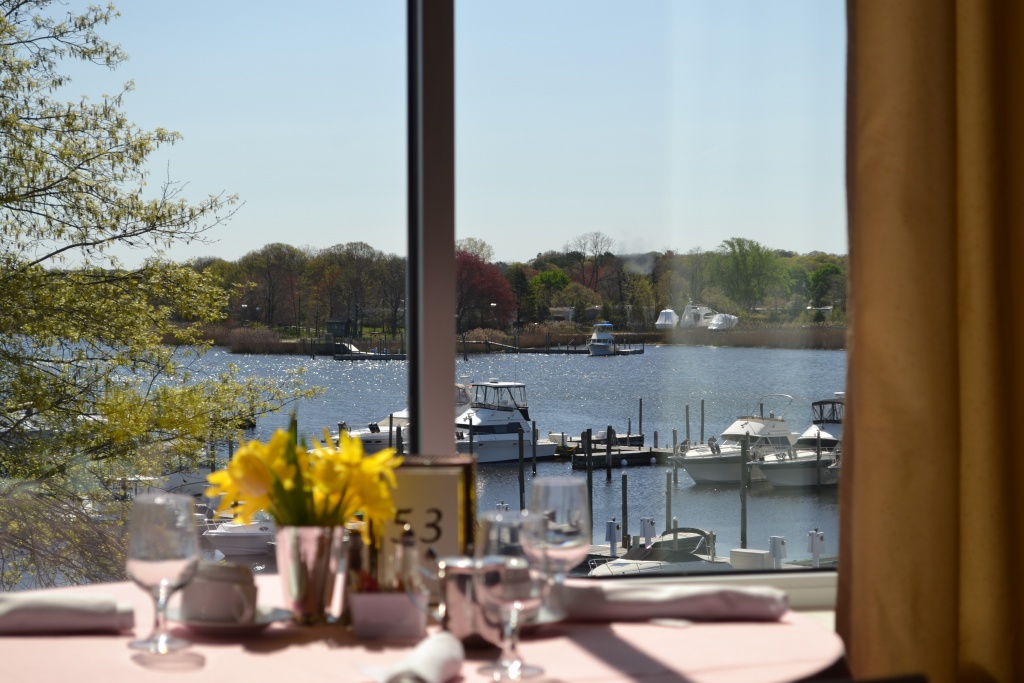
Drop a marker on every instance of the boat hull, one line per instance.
(238, 543)
(724, 468)
(488, 451)
(601, 349)
(801, 471)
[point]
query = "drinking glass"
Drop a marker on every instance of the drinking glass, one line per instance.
(508, 584)
(163, 551)
(564, 539)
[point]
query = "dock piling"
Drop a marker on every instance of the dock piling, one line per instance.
(625, 512)
(668, 500)
(609, 437)
(522, 475)
(536, 436)
(687, 423)
(585, 438)
(675, 533)
(744, 480)
(701, 421)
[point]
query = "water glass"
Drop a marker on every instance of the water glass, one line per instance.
(564, 539)
(508, 584)
(163, 552)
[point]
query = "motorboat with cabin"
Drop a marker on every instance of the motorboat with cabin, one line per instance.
(489, 429)
(815, 458)
(719, 462)
(385, 433)
(602, 340)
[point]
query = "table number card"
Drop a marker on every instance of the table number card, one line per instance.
(436, 496)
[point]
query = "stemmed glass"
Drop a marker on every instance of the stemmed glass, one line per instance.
(508, 584)
(163, 551)
(564, 540)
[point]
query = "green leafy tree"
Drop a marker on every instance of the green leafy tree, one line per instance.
(746, 271)
(544, 286)
(90, 395)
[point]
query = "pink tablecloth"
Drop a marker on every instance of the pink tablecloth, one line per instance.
(788, 650)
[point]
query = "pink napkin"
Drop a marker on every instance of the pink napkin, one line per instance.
(644, 599)
(57, 612)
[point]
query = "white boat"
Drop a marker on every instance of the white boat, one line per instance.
(490, 428)
(232, 538)
(385, 433)
(722, 321)
(602, 340)
(719, 462)
(667, 320)
(695, 315)
(800, 465)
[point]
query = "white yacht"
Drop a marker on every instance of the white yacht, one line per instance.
(602, 340)
(800, 465)
(232, 538)
(489, 429)
(384, 433)
(719, 462)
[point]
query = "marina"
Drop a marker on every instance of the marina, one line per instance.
(571, 394)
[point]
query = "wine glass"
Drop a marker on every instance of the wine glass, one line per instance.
(564, 540)
(163, 551)
(508, 584)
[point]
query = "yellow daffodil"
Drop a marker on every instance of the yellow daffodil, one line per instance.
(327, 485)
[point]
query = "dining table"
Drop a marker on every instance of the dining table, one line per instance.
(792, 648)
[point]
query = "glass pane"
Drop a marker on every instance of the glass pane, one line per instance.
(626, 173)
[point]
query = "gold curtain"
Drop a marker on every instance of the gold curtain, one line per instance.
(932, 541)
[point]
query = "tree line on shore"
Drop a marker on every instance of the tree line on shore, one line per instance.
(356, 286)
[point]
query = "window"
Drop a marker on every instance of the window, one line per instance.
(655, 127)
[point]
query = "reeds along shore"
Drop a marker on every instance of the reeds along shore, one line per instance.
(259, 340)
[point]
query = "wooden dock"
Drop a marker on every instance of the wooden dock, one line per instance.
(622, 456)
(495, 347)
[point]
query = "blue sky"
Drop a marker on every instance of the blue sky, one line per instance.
(670, 124)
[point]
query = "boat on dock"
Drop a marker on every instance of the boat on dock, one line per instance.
(720, 462)
(491, 427)
(602, 342)
(815, 459)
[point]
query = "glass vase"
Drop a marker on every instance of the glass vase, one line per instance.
(309, 559)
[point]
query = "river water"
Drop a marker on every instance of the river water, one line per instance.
(571, 393)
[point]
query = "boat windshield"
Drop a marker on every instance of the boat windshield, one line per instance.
(499, 397)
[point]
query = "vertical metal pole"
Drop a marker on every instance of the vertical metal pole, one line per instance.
(744, 455)
(641, 417)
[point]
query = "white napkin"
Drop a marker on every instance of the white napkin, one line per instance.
(640, 600)
(437, 658)
(45, 612)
